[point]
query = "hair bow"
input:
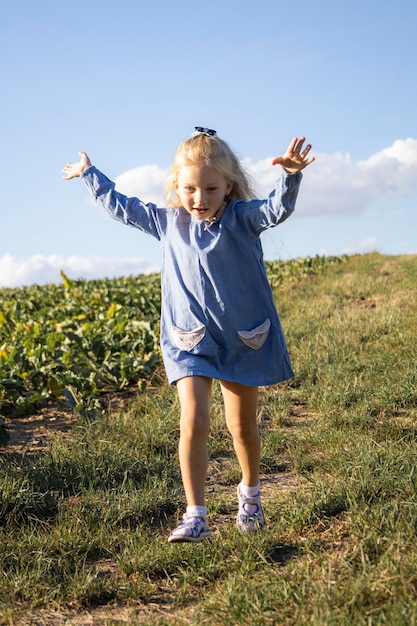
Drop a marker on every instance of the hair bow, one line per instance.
(200, 130)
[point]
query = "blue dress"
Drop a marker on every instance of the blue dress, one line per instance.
(218, 315)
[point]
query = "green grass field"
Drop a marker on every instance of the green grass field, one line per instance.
(84, 526)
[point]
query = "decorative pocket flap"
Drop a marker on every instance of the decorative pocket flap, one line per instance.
(187, 339)
(256, 337)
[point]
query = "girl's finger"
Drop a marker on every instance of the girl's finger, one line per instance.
(292, 145)
(298, 145)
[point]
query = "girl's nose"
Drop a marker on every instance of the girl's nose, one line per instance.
(198, 198)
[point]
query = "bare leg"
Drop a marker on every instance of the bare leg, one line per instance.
(240, 403)
(194, 394)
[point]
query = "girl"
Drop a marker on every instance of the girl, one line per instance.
(218, 318)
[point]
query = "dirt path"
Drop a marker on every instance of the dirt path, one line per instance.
(35, 432)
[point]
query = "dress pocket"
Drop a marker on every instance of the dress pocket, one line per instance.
(256, 337)
(187, 339)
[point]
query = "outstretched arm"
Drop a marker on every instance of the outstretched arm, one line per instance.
(295, 159)
(72, 170)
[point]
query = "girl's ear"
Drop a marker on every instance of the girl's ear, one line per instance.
(229, 187)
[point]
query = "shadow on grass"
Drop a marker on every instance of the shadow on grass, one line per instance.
(281, 554)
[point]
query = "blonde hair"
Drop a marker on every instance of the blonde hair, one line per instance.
(214, 152)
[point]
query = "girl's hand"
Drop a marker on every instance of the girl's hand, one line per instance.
(295, 159)
(72, 170)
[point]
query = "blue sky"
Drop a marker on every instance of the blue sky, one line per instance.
(127, 81)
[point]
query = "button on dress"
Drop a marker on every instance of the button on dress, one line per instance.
(218, 315)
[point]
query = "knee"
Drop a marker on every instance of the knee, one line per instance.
(194, 424)
(243, 431)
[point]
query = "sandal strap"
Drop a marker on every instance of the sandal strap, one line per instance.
(190, 528)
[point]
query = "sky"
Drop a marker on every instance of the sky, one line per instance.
(127, 81)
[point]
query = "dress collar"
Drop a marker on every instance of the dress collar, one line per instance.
(217, 217)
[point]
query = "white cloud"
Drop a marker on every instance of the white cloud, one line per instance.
(336, 185)
(145, 182)
(40, 269)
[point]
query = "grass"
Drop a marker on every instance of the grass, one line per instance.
(83, 527)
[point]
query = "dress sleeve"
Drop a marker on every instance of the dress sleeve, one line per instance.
(130, 211)
(263, 214)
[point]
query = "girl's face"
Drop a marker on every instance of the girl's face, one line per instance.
(202, 190)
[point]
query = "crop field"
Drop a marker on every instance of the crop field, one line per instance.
(84, 522)
(76, 340)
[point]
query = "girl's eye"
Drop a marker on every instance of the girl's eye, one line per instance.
(211, 189)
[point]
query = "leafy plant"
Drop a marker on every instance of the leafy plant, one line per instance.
(76, 340)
